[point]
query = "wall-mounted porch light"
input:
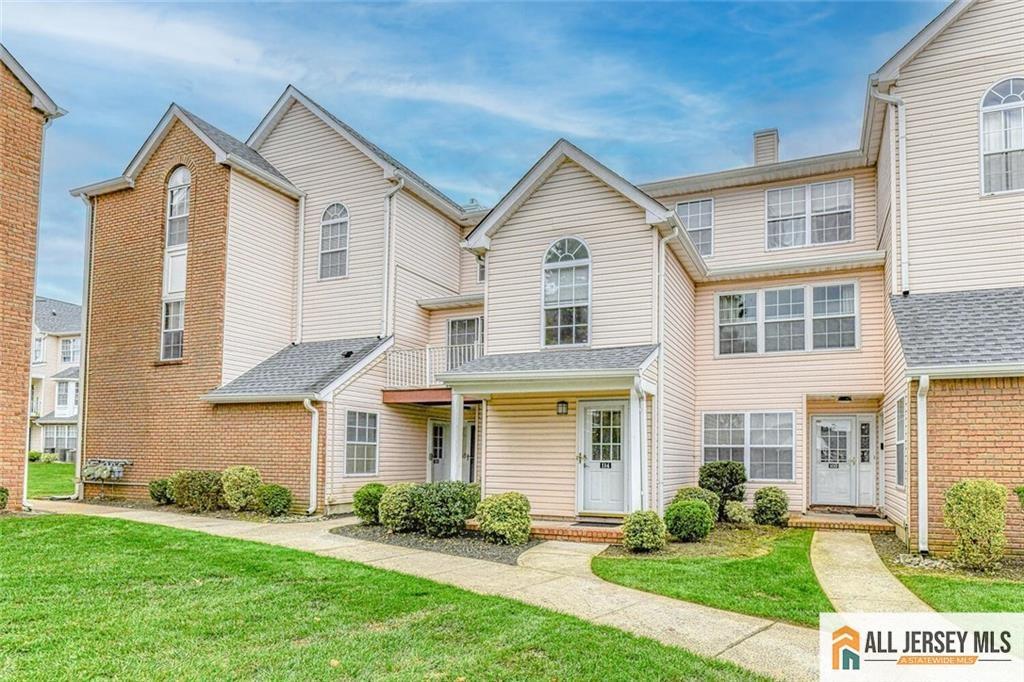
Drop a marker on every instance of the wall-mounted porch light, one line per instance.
(562, 407)
(845, 399)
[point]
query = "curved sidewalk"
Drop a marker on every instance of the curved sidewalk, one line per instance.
(553, 575)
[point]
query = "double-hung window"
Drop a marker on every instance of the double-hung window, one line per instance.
(698, 217)
(835, 318)
(70, 351)
(63, 394)
(901, 440)
(1002, 137)
(173, 336)
(37, 349)
(172, 308)
(737, 323)
(762, 441)
(814, 214)
(360, 443)
(334, 242)
(566, 293)
(481, 268)
(784, 319)
(60, 437)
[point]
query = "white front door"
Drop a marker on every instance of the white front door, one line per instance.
(835, 461)
(602, 460)
(866, 457)
(438, 449)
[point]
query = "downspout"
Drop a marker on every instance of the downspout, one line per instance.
(90, 222)
(922, 464)
(300, 285)
(385, 319)
(659, 399)
(901, 144)
(314, 453)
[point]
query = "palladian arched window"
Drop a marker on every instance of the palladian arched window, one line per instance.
(178, 185)
(334, 242)
(1002, 136)
(567, 293)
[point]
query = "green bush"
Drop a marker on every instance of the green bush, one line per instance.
(736, 512)
(689, 520)
(771, 506)
(4, 495)
(160, 491)
(397, 508)
(975, 510)
(725, 479)
(34, 455)
(505, 518)
(1020, 495)
(240, 484)
(366, 501)
(273, 499)
(443, 507)
(693, 493)
(48, 457)
(643, 531)
(196, 491)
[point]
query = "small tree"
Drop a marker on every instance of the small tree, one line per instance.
(975, 510)
(725, 479)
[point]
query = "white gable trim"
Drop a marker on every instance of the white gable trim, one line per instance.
(890, 71)
(40, 100)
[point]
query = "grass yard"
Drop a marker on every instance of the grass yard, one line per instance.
(88, 598)
(50, 480)
(760, 571)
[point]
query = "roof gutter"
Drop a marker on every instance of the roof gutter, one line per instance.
(225, 398)
(314, 453)
(922, 464)
(901, 148)
(972, 371)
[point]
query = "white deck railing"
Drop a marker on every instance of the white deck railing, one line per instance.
(419, 367)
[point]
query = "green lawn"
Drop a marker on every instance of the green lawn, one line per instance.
(89, 598)
(763, 572)
(49, 480)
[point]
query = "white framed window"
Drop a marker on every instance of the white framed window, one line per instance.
(481, 268)
(178, 188)
(334, 242)
(809, 215)
(172, 336)
(762, 441)
(566, 293)
(698, 217)
(360, 443)
(777, 320)
(63, 394)
(901, 440)
(1002, 137)
(37, 349)
(70, 351)
(60, 437)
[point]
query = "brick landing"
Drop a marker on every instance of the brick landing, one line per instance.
(840, 522)
(569, 531)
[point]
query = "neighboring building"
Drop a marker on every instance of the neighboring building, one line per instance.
(848, 326)
(27, 110)
(53, 394)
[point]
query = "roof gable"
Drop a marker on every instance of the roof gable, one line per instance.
(40, 100)
(890, 71)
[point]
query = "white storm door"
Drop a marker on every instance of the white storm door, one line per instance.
(866, 467)
(438, 449)
(835, 461)
(604, 459)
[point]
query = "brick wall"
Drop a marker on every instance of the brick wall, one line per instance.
(21, 138)
(148, 411)
(975, 430)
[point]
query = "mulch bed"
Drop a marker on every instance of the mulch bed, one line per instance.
(149, 505)
(898, 559)
(469, 544)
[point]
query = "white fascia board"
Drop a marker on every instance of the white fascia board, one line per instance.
(243, 166)
(799, 266)
(40, 100)
(890, 71)
(451, 302)
(159, 132)
(564, 384)
(103, 187)
(454, 378)
(980, 371)
(326, 394)
(258, 397)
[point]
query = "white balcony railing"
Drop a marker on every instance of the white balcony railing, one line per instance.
(419, 367)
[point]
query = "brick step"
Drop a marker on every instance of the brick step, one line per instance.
(568, 531)
(840, 522)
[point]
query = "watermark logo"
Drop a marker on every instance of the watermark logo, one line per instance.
(845, 649)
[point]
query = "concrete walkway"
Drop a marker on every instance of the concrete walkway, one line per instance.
(854, 578)
(553, 575)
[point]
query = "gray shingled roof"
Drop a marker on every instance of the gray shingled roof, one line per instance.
(51, 419)
(57, 317)
(233, 145)
(299, 369)
(961, 327)
(626, 358)
(69, 373)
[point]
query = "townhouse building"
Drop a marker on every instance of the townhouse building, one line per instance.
(848, 326)
(53, 391)
(27, 111)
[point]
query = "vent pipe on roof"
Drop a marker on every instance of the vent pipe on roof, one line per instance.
(766, 146)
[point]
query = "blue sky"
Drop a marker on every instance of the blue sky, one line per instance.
(468, 95)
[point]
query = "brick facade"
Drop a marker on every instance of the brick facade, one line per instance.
(139, 408)
(21, 141)
(975, 430)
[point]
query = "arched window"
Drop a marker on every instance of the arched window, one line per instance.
(177, 206)
(567, 293)
(334, 242)
(1002, 136)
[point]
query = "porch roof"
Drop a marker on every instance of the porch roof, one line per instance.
(555, 363)
(52, 418)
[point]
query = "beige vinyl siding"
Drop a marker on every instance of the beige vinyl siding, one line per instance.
(413, 323)
(960, 239)
(572, 202)
(439, 322)
(781, 382)
(468, 270)
(740, 223)
(259, 291)
(895, 498)
(329, 169)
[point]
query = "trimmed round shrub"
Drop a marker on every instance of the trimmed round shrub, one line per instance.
(240, 484)
(48, 457)
(4, 495)
(689, 520)
(694, 493)
(505, 518)
(472, 492)
(366, 501)
(643, 531)
(34, 455)
(443, 507)
(735, 512)
(725, 479)
(975, 510)
(273, 499)
(397, 508)
(196, 491)
(160, 491)
(771, 506)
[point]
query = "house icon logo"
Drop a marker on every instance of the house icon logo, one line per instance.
(845, 649)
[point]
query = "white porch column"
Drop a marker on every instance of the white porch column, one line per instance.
(634, 500)
(455, 438)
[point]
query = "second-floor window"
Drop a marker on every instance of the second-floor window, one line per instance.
(698, 218)
(37, 349)
(481, 268)
(334, 242)
(566, 293)
(70, 351)
(172, 336)
(178, 185)
(1002, 143)
(63, 394)
(809, 215)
